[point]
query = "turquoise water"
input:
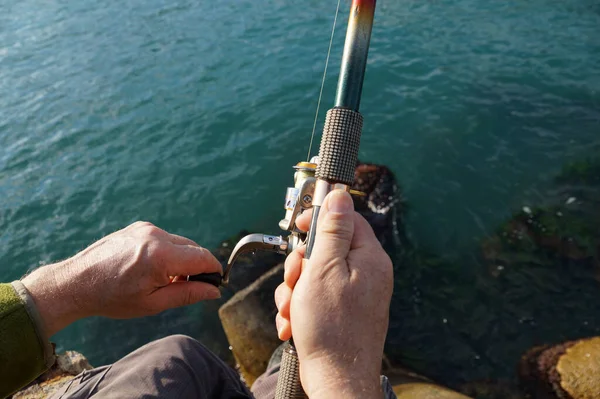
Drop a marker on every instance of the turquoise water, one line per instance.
(190, 115)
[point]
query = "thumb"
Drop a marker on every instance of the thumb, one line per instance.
(183, 293)
(335, 227)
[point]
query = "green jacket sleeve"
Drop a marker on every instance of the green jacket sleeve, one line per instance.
(25, 353)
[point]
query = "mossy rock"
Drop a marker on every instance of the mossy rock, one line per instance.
(566, 371)
(66, 367)
(585, 171)
(579, 369)
(248, 320)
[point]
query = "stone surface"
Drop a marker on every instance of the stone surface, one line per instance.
(67, 366)
(491, 389)
(248, 320)
(537, 375)
(408, 384)
(566, 371)
(425, 390)
(72, 362)
(579, 369)
(383, 205)
(44, 389)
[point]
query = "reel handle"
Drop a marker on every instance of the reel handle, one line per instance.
(215, 279)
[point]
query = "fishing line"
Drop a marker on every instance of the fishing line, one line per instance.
(312, 136)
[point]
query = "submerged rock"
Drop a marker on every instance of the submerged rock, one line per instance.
(563, 230)
(66, 367)
(566, 371)
(541, 236)
(583, 172)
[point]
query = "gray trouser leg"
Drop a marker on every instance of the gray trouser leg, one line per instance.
(173, 367)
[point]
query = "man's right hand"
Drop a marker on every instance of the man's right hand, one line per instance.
(337, 304)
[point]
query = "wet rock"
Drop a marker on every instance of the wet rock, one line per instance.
(582, 172)
(44, 389)
(408, 384)
(566, 371)
(424, 390)
(382, 205)
(72, 362)
(248, 320)
(563, 229)
(579, 369)
(535, 369)
(67, 366)
(489, 389)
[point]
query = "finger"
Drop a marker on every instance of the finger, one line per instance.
(184, 260)
(183, 293)
(284, 328)
(181, 240)
(283, 299)
(335, 228)
(293, 267)
(303, 221)
(364, 236)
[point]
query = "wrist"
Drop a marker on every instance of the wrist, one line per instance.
(347, 391)
(55, 297)
(326, 378)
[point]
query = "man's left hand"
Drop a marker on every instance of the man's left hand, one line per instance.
(130, 273)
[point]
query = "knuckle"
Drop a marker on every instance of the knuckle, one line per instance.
(192, 296)
(204, 253)
(291, 269)
(278, 295)
(151, 230)
(290, 262)
(147, 229)
(141, 223)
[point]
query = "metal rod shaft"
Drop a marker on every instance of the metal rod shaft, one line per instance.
(356, 50)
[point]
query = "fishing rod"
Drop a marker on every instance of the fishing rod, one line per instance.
(313, 180)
